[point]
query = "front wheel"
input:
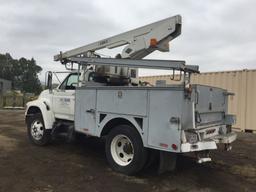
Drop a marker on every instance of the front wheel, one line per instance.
(124, 150)
(37, 133)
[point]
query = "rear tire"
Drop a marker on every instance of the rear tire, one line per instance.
(37, 133)
(124, 150)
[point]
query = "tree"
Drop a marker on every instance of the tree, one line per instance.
(22, 72)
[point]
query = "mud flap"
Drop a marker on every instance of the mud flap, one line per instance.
(71, 134)
(153, 157)
(65, 130)
(167, 161)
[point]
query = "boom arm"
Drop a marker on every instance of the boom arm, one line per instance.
(140, 42)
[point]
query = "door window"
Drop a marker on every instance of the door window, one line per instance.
(70, 82)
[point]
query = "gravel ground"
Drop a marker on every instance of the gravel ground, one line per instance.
(82, 166)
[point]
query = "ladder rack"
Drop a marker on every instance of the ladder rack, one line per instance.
(135, 63)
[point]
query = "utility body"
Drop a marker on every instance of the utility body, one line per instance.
(102, 97)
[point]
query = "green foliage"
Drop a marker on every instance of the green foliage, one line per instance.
(22, 72)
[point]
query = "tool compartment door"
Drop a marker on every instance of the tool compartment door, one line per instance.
(210, 105)
(165, 107)
(85, 111)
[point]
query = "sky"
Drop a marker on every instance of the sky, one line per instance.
(217, 35)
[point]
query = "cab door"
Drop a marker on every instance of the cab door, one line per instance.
(64, 98)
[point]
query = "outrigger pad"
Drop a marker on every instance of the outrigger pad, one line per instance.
(167, 161)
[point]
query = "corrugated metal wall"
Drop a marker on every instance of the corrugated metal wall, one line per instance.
(250, 114)
(242, 83)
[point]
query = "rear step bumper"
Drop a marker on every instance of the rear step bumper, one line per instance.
(226, 139)
(209, 144)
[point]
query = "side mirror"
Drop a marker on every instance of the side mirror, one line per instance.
(49, 81)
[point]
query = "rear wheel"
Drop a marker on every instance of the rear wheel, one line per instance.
(37, 133)
(124, 150)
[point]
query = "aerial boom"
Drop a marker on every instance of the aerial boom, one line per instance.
(140, 42)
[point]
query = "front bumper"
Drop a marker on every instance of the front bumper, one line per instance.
(210, 143)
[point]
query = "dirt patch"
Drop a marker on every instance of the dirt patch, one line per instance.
(130, 179)
(82, 166)
(247, 171)
(7, 144)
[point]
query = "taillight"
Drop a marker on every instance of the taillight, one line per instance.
(174, 147)
(191, 137)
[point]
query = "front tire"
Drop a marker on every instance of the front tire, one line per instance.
(124, 150)
(37, 133)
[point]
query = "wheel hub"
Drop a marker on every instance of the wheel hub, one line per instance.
(122, 150)
(127, 148)
(37, 130)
